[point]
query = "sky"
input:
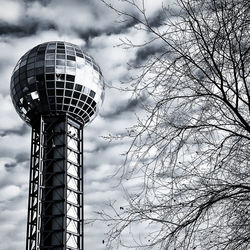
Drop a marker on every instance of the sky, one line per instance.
(94, 27)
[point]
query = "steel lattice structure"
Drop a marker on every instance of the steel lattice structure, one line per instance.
(56, 88)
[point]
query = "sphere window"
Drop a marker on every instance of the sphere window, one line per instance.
(76, 95)
(52, 99)
(50, 77)
(59, 84)
(30, 66)
(71, 63)
(69, 85)
(70, 78)
(51, 46)
(50, 84)
(80, 104)
(72, 58)
(61, 51)
(89, 100)
(60, 62)
(50, 51)
(71, 109)
(68, 93)
(22, 76)
(42, 52)
(51, 92)
(40, 78)
(31, 60)
(83, 97)
(50, 69)
(40, 64)
(60, 56)
(59, 92)
(39, 71)
(16, 74)
(67, 100)
(22, 70)
(40, 57)
(59, 99)
(32, 55)
(74, 102)
(78, 87)
(92, 93)
(69, 52)
(79, 55)
(50, 56)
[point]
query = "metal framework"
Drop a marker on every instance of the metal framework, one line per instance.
(55, 208)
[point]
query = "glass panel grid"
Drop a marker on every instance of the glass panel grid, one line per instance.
(51, 62)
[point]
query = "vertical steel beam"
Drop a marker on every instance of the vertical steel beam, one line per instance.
(36, 166)
(55, 216)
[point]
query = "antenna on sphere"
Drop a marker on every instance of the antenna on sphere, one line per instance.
(57, 89)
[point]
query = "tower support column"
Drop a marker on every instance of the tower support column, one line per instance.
(56, 185)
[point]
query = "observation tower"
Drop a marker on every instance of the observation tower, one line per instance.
(57, 89)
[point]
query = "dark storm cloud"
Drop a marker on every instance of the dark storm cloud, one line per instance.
(10, 165)
(144, 53)
(24, 129)
(118, 28)
(88, 35)
(25, 28)
(20, 158)
(130, 106)
(122, 28)
(157, 19)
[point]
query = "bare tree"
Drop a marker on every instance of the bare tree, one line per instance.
(193, 147)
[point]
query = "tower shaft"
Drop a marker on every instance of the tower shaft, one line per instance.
(55, 209)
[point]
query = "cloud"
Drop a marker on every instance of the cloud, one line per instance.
(9, 119)
(11, 11)
(9, 192)
(70, 16)
(19, 131)
(145, 52)
(19, 159)
(28, 28)
(129, 106)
